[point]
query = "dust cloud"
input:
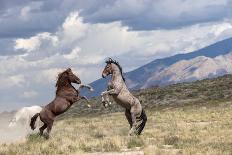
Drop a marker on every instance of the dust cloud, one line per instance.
(11, 134)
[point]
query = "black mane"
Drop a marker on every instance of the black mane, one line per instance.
(109, 61)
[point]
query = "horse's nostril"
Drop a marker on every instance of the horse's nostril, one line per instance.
(78, 81)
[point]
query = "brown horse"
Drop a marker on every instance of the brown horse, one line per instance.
(66, 95)
(117, 88)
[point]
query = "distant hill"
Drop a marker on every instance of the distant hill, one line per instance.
(198, 93)
(191, 70)
(211, 61)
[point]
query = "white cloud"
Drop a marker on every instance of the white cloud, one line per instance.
(11, 81)
(27, 44)
(220, 28)
(73, 27)
(25, 12)
(47, 76)
(38, 16)
(81, 44)
(34, 43)
(74, 54)
(84, 46)
(161, 14)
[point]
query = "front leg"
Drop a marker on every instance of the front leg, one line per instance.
(85, 98)
(111, 92)
(105, 99)
(87, 86)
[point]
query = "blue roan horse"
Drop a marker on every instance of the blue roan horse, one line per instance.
(117, 88)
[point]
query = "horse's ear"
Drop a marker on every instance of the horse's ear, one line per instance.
(109, 60)
(69, 70)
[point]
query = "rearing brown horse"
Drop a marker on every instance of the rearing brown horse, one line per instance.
(66, 95)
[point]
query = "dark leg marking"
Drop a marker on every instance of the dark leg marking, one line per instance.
(141, 126)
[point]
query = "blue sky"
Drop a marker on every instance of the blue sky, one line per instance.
(39, 38)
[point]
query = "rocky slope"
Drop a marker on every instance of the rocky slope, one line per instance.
(211, 61)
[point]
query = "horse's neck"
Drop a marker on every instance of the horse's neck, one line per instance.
(117, 77)
(67, 85)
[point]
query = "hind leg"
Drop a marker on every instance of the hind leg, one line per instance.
(134, 124)
(141, 126)
(49, 128)
(47, 118)
(128, 117)
(135, 111)
(41, 129)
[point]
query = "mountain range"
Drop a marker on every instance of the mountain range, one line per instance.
(211, 61)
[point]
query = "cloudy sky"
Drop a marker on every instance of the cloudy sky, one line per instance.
(39, 38)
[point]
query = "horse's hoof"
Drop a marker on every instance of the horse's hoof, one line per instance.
(89, 106)
(131, 134)
(133, 131)
(106, 105)
(46, 136)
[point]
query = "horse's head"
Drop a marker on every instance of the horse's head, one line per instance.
(111, 65)
(72, 77)
(108, 70)
(67, 76)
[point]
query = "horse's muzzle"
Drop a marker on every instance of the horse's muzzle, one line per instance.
(78, 81)
(103, 75)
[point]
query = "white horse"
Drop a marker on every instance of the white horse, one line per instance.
(23, 116)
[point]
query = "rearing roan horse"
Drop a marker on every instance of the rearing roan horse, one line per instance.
(117, 88)
(66, 95)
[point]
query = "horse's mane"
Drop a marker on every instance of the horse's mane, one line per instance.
(109, 61)
(60, 79)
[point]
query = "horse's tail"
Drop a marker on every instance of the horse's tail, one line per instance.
(140, 128)
(33, 119)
